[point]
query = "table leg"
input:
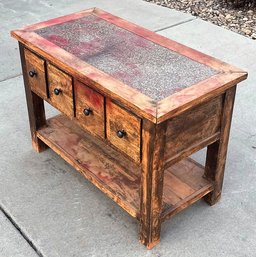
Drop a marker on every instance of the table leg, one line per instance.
(153, 141)
(35, 106)
(216, 152)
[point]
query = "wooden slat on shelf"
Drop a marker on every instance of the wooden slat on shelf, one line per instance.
(117, 176)
(99, 163)
(183, 185)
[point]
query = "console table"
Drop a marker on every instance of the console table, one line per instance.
(134, 106)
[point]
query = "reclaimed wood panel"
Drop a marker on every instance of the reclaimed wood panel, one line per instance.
(37, 81)
(118, 119)
(109, 170)
(114, 174)
(184, 183)
(88, 99)
(61, 81)
(189, 130)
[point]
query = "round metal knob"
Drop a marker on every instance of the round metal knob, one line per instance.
(121, 133)
(57, 91)
(87, 111)
(32, 73)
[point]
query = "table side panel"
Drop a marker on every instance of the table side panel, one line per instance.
(193, 129)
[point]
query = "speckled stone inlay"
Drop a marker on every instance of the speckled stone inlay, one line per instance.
(148, 67)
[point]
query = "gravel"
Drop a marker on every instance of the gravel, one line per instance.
(225, 13)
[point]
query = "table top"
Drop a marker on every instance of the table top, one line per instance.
(153, 73)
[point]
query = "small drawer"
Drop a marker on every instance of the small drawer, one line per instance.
(89, 109)
(60, 90)
(123, 130)
(35, 67)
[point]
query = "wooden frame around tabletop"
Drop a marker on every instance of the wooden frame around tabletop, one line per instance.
(144, 106)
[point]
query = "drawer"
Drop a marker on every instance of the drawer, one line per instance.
(89, 109)
(60, 90)
(35, 67)
(123, 130)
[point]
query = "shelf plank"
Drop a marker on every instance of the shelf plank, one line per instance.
(117, 176)
(103, 166)
(183, 185)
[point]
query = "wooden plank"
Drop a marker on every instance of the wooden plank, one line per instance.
(190, 173)
(190, 129)
(35, 106)
(186, 180)
(186, 202)
(191, 149)
(217, 152)
(153, 143)
(107, 169)
(58, 20)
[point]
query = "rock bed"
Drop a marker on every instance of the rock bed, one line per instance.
(224, 13)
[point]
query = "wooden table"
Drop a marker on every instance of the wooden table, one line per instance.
(134, 106)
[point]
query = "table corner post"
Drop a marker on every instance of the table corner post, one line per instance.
(217, 151)
(151, 190)
(35, 107)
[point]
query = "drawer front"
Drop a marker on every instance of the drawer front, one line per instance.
(60, 90)
(36, 73)
(89, 109)
(123, 130)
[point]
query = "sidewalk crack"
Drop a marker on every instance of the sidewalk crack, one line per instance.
(174, 25)
(23, 234)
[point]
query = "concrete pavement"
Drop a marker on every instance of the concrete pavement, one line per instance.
(62, 214)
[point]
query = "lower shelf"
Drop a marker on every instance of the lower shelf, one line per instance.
(117, 176)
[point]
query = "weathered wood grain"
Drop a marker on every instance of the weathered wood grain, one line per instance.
(130, 98)
(35, 106)
(37, 65)
(118, 119)
(189, 130)
(184, 184)
(57, 79)
(124, 94)
(217, 152)
(109, 170)
(87, 98)
(152, 174)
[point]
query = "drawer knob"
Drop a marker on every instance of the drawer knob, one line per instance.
(57, 91)
(121, 133)
(32, 73)
(87, 111)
